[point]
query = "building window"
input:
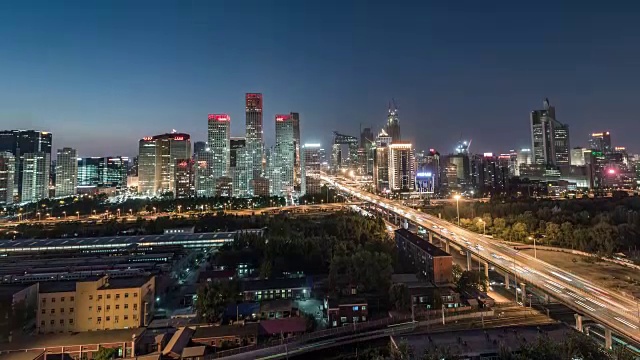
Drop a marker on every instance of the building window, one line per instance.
(117, 306)
(364, 307)
(117, 296)
(115, 319)
(126, 306)
(42, 323)
(108, 296)
(53, 311)
(108, 318)
(126, 317)
(52, 322)
(90, 297)
(135, 294)
(62, 299)
(71, 298)
(44, 301)
(108, 307)
(99, 308)
(61, 321)
(71, 321)
(90, 308)
(43, 311)
(99, 297)
(135, 306)
(355, 308)
(53, 299)
(126, 295)
(99, 319)
(61, 310)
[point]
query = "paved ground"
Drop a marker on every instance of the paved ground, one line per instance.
(603, 273)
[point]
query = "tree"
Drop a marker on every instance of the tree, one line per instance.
(472, 280)
(553, 232)
(456, 272)
(213, 298)
(399, 296)
(104, 353)
(519, 231)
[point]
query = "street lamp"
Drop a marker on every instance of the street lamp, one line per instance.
(154, 210)
(535, 252)
(65, 214)
(179, 207)
(78, 213)
(39, 216)
(131, 212)
(118, 212)
(457, 197)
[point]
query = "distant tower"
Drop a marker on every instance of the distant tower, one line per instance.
(549, 137)
(254, 136)
(393, 123)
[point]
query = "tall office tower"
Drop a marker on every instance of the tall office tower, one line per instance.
(204, 181)
(7, 175)
(157, 161)
(114, 171)
(218, 138)
(311, 166)
(254, 136)
(89, 171)
(239, 167)
(525, 157)
(463, 167)
(285, 152)
(601, 141)
(295, 118)
(381, 161)
(549, 137)
(272, 172)
(66, 172)
(393, 123)
(19, 142)
(402, 167)
(184, 178)
(35, 176)
(462, 147)
(199, 146)
(367, 142)
(577, 156)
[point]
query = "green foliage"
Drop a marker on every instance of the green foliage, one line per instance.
(399, 296)
(213, 298)
(472, 280)
(104, 353)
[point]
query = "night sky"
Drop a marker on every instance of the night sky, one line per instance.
(102, 74)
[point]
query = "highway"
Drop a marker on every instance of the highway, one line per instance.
(609, 308)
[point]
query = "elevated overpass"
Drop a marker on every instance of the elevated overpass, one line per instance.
(610, 309)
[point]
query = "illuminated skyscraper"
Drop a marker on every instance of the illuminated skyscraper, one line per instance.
(184, 178)
(295, 117)
(66, 172)
(239, 167)
(219, 135)
(311, 166)
(393, 123)
(19, 142)
(35, 176)
(204, 181)
(157, 161)
(402, 171)
(285, 153)
(549, 137)
(381, 161)
(601, 141)
(7, 175)
(254, 136)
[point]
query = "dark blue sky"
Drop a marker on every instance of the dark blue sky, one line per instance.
(102, 74)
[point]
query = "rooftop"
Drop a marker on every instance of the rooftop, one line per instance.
(125, 283)
(66, 339)
(205, 332)
(429, 248)
(286, 325)
(57, 286)
(266, 284)
(22, 355)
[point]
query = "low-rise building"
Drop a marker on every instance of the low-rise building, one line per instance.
(231, 335)
(95, 304)
(347, 311)
(431, 262)
(270, 289)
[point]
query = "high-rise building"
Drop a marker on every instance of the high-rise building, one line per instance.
(463, 167)
(35, 176)
(577, 156)
(297, 171)
(239, 167)
(381, 161)
(402, 170)
(601, 141)
(285, 153)
(204, 181)
(19, 142)
(549, 137)
(114, 171)
(66, 172)
(367, 143)
(254, 135)
(157, 161)
(311, 166)
(7, 175)
(199, 146)
(184, 178)
(393, 123)
(89, 171)
(219, 136)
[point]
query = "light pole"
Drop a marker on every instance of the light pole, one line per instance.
(535, 252)
(131, 212)
(65, 214)
(179, 207)
(154, 210)
(484, 228)
(39, 216)
(78, 213)
(457, 197)
(118, 212)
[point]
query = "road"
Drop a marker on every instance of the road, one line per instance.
(609, 308)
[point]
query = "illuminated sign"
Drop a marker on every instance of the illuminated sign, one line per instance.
(488, 154)
(620, 148)
(424, 174)
(220, 117)
(311, 145)
(178, 138)
(147, 138)
(183, 164)
(254, 96)
(597, 134)
(283, 117)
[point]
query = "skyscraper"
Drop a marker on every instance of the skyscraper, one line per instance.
(7, 175)
(295, 118)
(402, 171)
(549, 137)
(199, 146)
(184, 178)
(393, 123)
(204, 181)
(19, 142)
(254, 136)
(219, 134)
(285, 153)
(157, 161)
(367, 142)
(66, 172)
(239, 167)
(311, 166)
(35, 176)
(601, 141)
(381, 161)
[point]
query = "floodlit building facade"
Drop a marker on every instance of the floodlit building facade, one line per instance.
(402, 171)
(219, 133)
(7, 176)
(66, 172)
(311, 167)
(157, 161)
(549, 137)
(35, 176)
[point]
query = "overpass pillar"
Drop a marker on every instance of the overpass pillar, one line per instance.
(506, 280)
(486, 270)
(430, 236)
(607, 338)
(586, 330)
(447, 247)
(578, 322)
(524, 294)
(547, 299)
(468, 258)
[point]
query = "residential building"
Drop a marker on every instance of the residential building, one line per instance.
(311, 167)
(431, 262)
(549, 137)
(95, 304)
(347, 311)
(35, 176)
(254, 135)
(402, 167)
(21, 142)
(7, 176)
(157, 161)
(270, 289)
(66, 172)
(217, 336)
(219, 126)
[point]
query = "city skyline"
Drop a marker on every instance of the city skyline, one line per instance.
(474, 82)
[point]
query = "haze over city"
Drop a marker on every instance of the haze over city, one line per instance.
(101, 75)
